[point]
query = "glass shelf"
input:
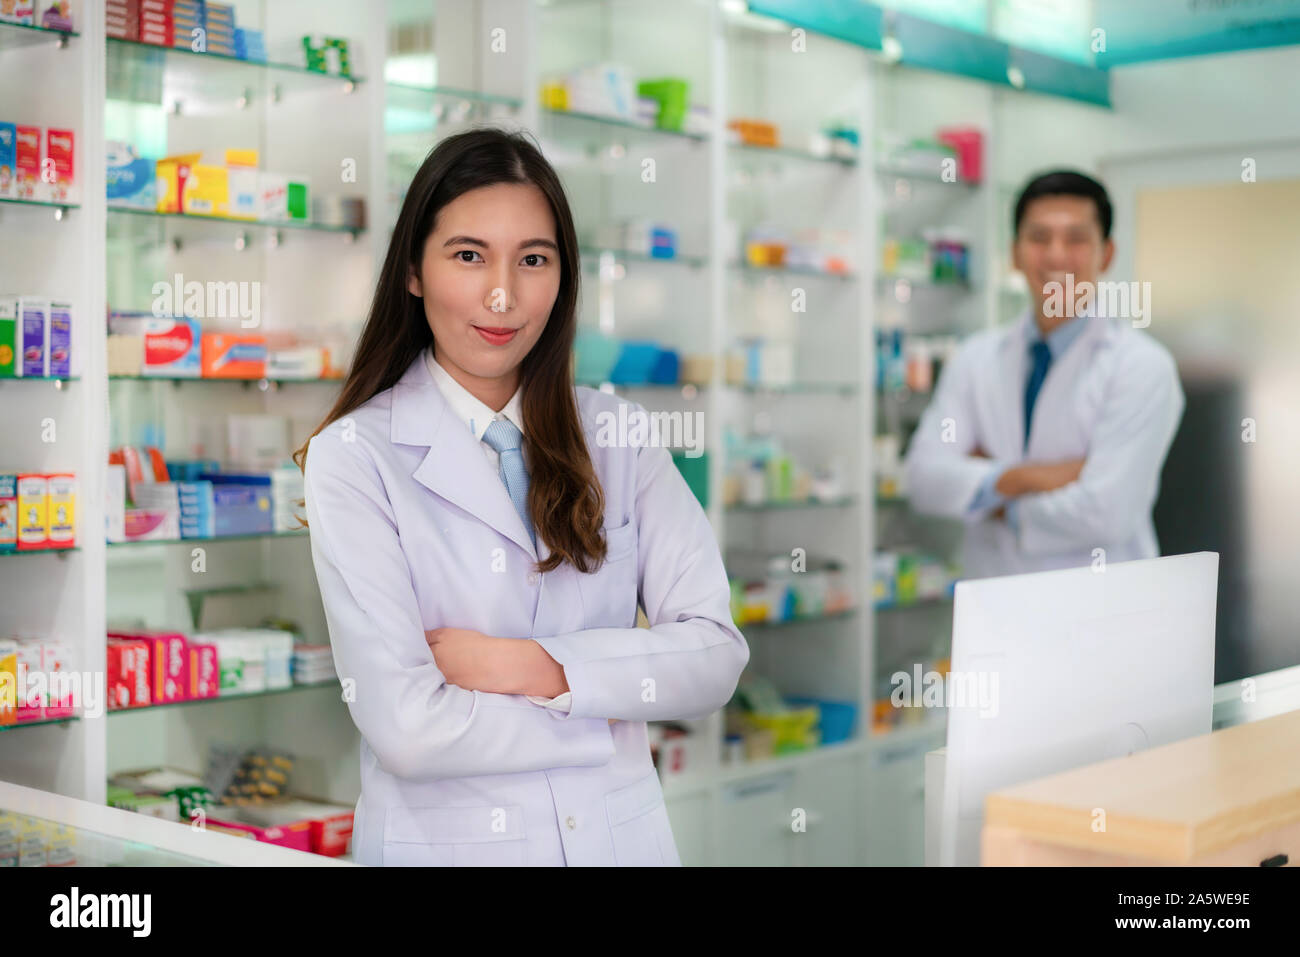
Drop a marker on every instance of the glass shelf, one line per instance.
(206, 82)
(961, 285)
(40, 551)
(427, 93)
(809, 620)
(789, 152)
(750, 270)
(241, 223)
(251, 536)
(57, 380)
(786, 506)
(33, 724)
(226, 697)
(15, 35)
(591, 257)
(594, 120)
(58, 207)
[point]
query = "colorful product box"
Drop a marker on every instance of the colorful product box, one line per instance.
(56, 15)
(30, 699)
(27, 161)
(59, 159)
(128, 673)
(56, 657)
(172, 347)
(206, 191)
(228, 355)
(168, 663)
(8, 160)
(8, 512)
(61, 510)
(33, 512)
(8, 337)
(173, 171)
(284, 199)
(21, 11)
(205, 672)
(58, 343)
(8, 683)
(33, 337)
(131, 179)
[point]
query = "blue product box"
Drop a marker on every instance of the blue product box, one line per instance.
(130, 178)
(8, 159)
(60, 345)
(33, 318)
(242, 510)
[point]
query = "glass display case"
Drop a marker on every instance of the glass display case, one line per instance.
(41, 829)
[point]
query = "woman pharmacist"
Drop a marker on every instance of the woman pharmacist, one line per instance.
(480, 554)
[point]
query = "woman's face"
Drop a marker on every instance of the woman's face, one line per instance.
(489, 277)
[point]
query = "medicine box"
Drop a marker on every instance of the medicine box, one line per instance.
(8, 160)
(33, 337)
(59, 158)
(33, 511)
(8, 684)
(233, 355)
(58, 343)
(8, 336)
(131, 179)
(62, 510)
(27, 161)
(8, 512)
(205, 191)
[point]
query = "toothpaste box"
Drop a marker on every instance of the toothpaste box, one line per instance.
(172, 347)
(58, 346)
(228, 355)
(62, 510)
(56, 658)
(8, 160)
(205, 673)
(128, 673)
(8, 512)
(27, 161)
(33, 337)
(8, 682)
(33, 511)
(59, 161)
(9, 365)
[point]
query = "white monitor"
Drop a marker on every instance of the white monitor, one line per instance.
(1084, 664)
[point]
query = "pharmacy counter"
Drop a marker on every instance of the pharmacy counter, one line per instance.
(38, 828)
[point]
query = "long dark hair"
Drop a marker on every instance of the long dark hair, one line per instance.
(565, 499)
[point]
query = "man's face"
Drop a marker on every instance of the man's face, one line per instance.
(1060, 236)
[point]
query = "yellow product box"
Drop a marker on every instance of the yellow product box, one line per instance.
(172, 173)
(8, 839)
(206, 191)
(62, 505)
(242, 158)
(33, 511)
(61, 846)
(32, 843)
(8, 682)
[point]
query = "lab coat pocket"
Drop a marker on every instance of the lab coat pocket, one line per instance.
(455, 836)
(609, 594)
(637, 818)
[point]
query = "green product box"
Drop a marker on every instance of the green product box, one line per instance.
(672, 94)
(298, 204)
(696, 473)
(8, 336)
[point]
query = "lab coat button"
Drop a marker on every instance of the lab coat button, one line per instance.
(571, 822)
(532, 578)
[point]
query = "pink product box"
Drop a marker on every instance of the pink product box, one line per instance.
(296, 836)
(168, 664)
(30, 658)
(205, 674)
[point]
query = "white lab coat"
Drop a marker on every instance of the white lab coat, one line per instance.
(412, 530)
(1113, 398)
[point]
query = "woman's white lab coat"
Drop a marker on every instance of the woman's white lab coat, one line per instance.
(411, 529)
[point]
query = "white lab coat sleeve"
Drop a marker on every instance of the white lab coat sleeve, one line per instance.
(942, 476)
(1117, 487)
(417, 725)
(688, 662)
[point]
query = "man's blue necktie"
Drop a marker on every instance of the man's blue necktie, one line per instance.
(505, 439)
(1042, 359)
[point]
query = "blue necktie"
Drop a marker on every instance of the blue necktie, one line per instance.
(504, 438)
(1042, 358)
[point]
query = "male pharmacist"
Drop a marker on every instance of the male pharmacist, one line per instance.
(1047, 436)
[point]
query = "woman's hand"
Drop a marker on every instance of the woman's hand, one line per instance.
(478, 662)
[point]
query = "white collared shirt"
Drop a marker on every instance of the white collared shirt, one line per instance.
(477, 417)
